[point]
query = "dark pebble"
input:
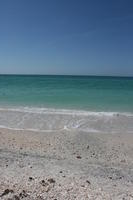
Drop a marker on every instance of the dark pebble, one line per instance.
(7, 191)
(30, 178)
(23, 194)
(88, 182)
(43, 183)
(15, 197)
(51, 180)
(82, 185)
(88, 147)
(79, 157)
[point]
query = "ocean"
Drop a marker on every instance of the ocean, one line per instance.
(88, 103)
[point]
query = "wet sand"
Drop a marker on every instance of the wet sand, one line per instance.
(65, 165)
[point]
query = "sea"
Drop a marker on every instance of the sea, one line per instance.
(56, 103)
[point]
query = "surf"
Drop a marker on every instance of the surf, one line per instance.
(51, 119)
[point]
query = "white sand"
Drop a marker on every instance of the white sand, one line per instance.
(65, 165)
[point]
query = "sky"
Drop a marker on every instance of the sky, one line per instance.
(74, 37)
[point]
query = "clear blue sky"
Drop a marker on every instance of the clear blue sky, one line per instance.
(66, 37)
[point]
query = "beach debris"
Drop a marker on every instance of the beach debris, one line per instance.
(88, 147)
(44, 183)
(23, 194)
(78, 157)
(82, 185)
(88, 182)
(15, 197)
(51, 180)
(6, 191)
(31, 178)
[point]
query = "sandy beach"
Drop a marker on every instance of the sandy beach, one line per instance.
(66, 100)
(65, 164)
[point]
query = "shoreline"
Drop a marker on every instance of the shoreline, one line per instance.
(52, 110)
(65, 165)
(52, 120)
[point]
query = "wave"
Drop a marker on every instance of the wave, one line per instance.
(63, 111)
(50, 119)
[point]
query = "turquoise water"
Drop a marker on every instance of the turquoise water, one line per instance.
(68, 92)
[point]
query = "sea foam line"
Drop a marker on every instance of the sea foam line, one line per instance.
(62, 111)
(48, 131)
(31, 130)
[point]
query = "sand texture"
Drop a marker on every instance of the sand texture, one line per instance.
(65, 165)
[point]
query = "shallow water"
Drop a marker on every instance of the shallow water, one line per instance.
(51, 103)
(38, 119)
(68, 92)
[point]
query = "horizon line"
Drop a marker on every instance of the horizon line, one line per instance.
(89, 75)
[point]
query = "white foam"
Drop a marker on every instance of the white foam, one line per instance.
(62, 111)
(26, 129)
(50, 120)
